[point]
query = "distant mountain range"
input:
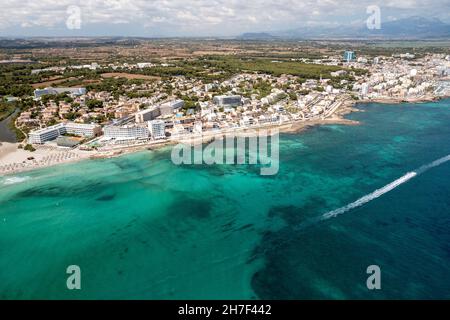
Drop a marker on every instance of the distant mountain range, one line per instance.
(409, 28)
(256, 36)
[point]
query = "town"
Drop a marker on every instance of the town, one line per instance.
(121, 113)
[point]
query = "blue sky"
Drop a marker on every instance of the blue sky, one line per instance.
(196, 17)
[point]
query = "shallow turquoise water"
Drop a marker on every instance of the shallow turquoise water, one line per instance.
(141, 227)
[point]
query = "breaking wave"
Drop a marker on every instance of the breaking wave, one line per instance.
(15, 180)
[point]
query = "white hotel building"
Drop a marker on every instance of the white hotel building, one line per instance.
(130, 132)
(147, 114)
(169, 107)
(157, 129)
(83, 130)
(50, 133)
(47, 134)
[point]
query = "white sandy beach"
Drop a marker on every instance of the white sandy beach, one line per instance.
(14, 159)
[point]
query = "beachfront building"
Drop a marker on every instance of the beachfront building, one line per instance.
(46, 134)
(38, 93)
(228, 101)
(127, 132)
(147, 114)
(51, 133)
(157, 129)
(83, 130)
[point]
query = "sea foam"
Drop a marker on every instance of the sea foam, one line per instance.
(15, 180)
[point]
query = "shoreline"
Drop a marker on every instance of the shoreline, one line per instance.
(423, 99)
(45, 156)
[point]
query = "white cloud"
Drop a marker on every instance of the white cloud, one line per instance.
(252, 19)
(207, 17)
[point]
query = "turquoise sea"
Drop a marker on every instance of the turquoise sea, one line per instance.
(141, 227)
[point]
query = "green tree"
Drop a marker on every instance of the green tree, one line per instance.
(94, 103)
(29, 147)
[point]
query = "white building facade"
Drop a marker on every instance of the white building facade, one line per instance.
(126, 132)
(147, 114)
(47, 134)
(157, 129)
(51, 133)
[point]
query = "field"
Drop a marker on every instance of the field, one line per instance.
(50, 83)
(129, 76)
(275, 67)
(278, 68)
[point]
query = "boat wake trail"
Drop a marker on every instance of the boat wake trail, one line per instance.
(436, 163)
(377, 193)
(372, 196)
